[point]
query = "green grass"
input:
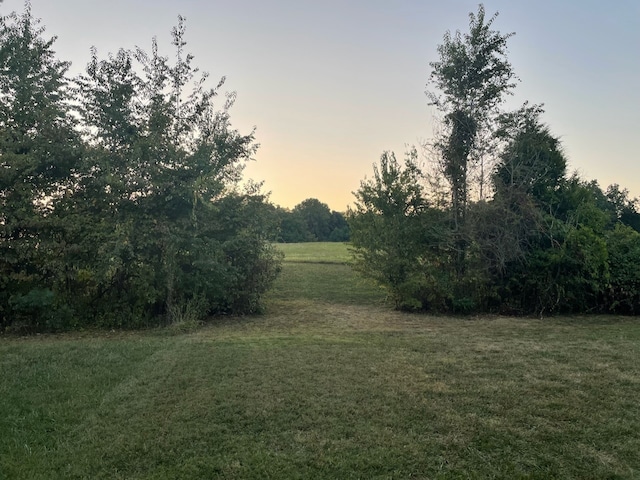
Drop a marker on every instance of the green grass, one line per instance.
(329, 383)
(319, 252)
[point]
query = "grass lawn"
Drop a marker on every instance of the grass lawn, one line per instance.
(319, 252)
(329, 383)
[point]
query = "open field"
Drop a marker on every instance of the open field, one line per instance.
(321, 252)
(329, 383)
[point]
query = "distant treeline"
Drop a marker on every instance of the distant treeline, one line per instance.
(310, 221)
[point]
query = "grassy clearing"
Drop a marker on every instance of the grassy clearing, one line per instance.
(319, 252)
(323, 282)
(327, 384)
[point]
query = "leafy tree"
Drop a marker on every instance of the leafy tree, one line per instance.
(135, 215)
(338, 227)
(546, 242)
(39, 151)
(167, 162)
(471, 78)
(526, 179)
(623, 246)
(562, 262)
(532, 161)
(625, 210)
(311, 221)
(397, 237)
(316, 216)
(292, 227)
(552, 254)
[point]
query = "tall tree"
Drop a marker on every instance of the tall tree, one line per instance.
(39, 150)
(471, 79)
(542, 243)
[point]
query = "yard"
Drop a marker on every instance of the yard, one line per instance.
(329, 383)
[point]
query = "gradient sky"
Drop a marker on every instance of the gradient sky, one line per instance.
(332, 84)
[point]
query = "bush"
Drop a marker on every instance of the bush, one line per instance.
(623, 295)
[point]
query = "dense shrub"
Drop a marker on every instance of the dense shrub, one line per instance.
(122, 207)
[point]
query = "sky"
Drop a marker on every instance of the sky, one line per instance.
(331, 85)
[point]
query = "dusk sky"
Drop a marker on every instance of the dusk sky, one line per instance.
(332, 84)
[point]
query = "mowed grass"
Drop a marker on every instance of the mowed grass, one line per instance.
(329, 383)
(320, 252)
(320, 272)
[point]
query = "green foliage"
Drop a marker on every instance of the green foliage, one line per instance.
(316, 216)
(567, 277)
(473, 72)
(125, 210)
(624, 209)
(292, 228)
(471, 78)
(409, 246)
(623, 246)
(312, 221)
(396, 235)
(544, 243)
(553, 254)
(338, 228)
(532, 161)
(39, 151)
